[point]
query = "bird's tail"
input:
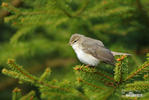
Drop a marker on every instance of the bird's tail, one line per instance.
(119, 53)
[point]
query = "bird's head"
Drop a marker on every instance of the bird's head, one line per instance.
(75, 38)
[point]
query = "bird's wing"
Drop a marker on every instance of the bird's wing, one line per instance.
(98, 51)
(94, 41)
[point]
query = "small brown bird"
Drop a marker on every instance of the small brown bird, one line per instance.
(91, 51)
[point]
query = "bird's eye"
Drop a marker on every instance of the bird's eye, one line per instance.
(75, 41)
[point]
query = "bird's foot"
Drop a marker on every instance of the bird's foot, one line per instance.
(84, 66)
(87, 66)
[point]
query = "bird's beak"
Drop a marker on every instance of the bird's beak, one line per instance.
(69, 44)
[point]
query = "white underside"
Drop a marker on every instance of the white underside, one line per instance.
(84, 57)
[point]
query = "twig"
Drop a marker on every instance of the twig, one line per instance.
(133, 74)
(95, 86)
(30, 77)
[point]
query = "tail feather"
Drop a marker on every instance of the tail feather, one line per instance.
(119, 53)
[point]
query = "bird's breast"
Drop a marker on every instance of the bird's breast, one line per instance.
(85, 57)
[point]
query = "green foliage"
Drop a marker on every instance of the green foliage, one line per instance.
(56, 20)
(93, 80)
(36, 33)
(92, 83)
(49, 89)
(141, 70)
(40, 24)
(137, 86)
(121, 69)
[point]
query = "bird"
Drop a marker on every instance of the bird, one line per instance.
(92, 51)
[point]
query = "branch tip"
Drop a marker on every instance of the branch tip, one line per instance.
(48, 70)
(121, 58)
(11, 61)
(4, 4)
(16, 90)
(4, 70)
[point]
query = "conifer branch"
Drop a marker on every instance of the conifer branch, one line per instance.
(16, 75)
(25, 73)
(139, 70)
(28, 77)
(38, 83)
(28, 96)
(117, 74)
(87, 69)
(10, 7)
(77, 13)
(137, 86)
(81, 80)
(45, 75)
(3, 12)
(105, 78)
(146, 77)
(63, 9)
(15, 93)
(54, 87)
(66, 12)
(82, 9)
(104, 75)
(121, 69)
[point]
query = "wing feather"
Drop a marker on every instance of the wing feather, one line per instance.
(97, 49)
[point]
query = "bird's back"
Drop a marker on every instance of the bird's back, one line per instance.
(96, 48)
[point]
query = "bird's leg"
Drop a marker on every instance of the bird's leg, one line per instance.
(87, 66)
(81, 66)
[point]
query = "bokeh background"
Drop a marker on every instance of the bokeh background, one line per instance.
(36, 33)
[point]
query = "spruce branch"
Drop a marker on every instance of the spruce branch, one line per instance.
(45, 75)
(137, 86)
(19, 73)
(141, 69)
(101, 73)
(22, 32)
(62, 8)
(45, 84)
(16, 75)
(16, 93)
(12, 64)
(117, 74)
(146, 77)
(82, 9)
(10, 8)
(3, 12)
(29, 96)
(121, 69)
(77, 13)
(83, 81)
(93, 70)
(97, 75)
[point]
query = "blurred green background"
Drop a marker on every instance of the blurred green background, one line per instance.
(36, 33)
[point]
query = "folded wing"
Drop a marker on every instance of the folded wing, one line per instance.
(97, 49)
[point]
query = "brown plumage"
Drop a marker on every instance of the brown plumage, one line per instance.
(91, 51)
